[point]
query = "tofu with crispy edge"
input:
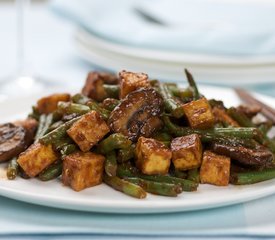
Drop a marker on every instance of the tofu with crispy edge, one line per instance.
(88, 130)
(199, 114)
(130, 82)
(49, 104)
(36, 158)
(215, 169)
(82, 170)
(186, 152)
(152, 157)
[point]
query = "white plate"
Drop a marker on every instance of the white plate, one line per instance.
(172, 56)
(169, 65)
(104, 199)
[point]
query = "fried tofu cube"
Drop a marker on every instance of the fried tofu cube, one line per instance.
(88, 130)
(36, 158)
(49, 104)
(199, 113)
(130, 82)
(82, 170)
(215, 169)
(186, 152)
(152, 157)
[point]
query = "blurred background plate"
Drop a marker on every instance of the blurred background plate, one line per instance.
(169, 65)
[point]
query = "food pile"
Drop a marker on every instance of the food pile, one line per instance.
(138, 135)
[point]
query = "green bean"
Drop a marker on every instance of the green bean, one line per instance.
(80, 98)
(180, 174)
(182, 94)
(270, 144)
(114, 141)
(265, 127)
(158, 188)
(22, 173)
(61, 143)
(187, 185)
(192, 84)
(57, 134)
(41, 123)
(124, 186)
(44, 124)
(186, 95)
(241, 132)
(35, 113)
(67, 108)
(111, 164)
(125, 154)
(173, 88)
(55, 125)
(252, 177)
(170, 104)
(112, 90)
(240, 118)
(216, 103)
(103, 112)
(154, 82)
(57, 116)
(12, 169)
(162, 136)
(233, 141)
(211, 134)
(193, 175)
(110, 103)
(52, 172)
(68, 149)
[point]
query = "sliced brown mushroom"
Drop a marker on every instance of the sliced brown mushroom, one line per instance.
(30, 125)
(137, 114)
(150, 126)
(249, 111)
(94, 88)
(260, 156)
(13, 140)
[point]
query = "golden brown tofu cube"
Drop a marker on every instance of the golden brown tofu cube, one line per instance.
(49, 104)
(88, 130)
(215, 169)
(36, 158)
(186, 152)
(82, 170)
(199, 114)
(132, 81)
(152, 156)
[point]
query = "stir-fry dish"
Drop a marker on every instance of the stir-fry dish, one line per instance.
(138, 135)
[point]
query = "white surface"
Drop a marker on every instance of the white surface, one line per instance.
(169, 65)
(104, 199)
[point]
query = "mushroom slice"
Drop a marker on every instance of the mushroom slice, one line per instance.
(30, 125)
(131, 116)
(260, 156)
(250, 111)
(150, 126)
(13, 140)
(94, 88)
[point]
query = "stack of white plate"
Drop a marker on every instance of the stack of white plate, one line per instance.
(169, 65)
